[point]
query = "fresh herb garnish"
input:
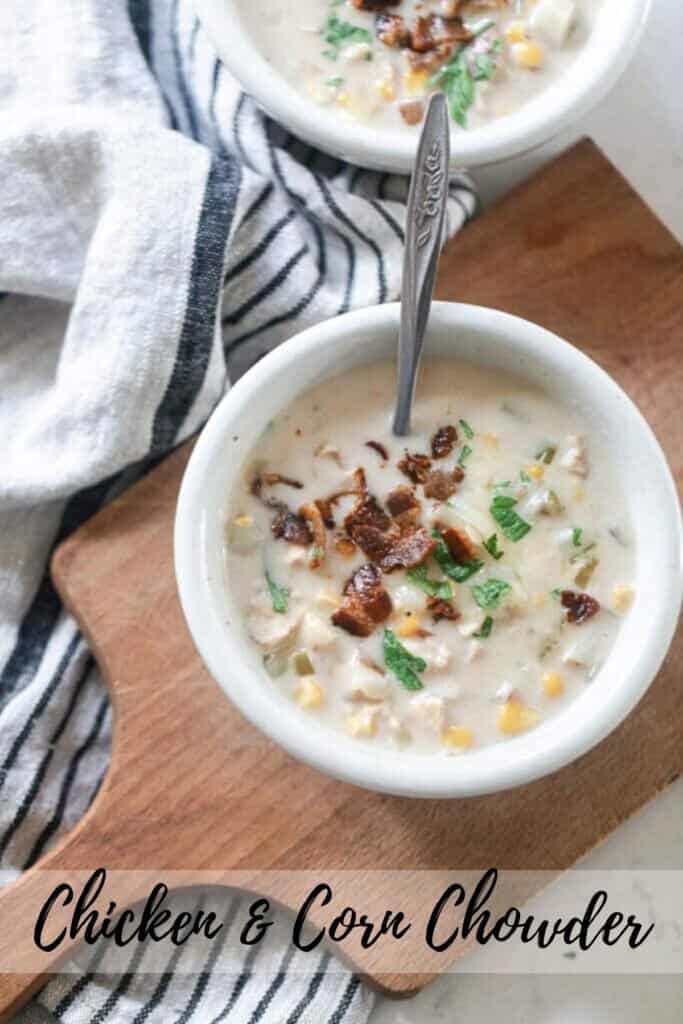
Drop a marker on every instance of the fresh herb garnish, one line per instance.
(334, 82)
(466, 429)
(435, 588)
(524, 476)
(490, 594)
(464, 454)
(336, 33)
(458, 571)
(576, 536)
(485, 629)
(491, 546)
(511, 523)
(546, 454)
(556, 592)
(401, 662)
(278, 594)
(456, 79)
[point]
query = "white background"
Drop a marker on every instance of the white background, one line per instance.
(640, 128)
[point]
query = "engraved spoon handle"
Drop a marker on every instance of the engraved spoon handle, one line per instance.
(424, 234)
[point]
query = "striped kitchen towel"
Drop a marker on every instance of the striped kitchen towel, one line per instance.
(158, 234)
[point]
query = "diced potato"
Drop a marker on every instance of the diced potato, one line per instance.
(362, 722)
(426, 715)
(409, 625)
(515, 717)
(356, 52)
(583, 651)
(504, 691)
(553, 684)
(575, 458)
(316, 633)
(554, 20)
(364, 682)
(458, 736)
(622, 596)
(436, 654)
(309, 693)
(528, 55)
(268, 628)
(474, 651)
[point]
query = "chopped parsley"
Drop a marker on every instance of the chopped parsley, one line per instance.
(524, 476)
(576, 536)
(278, 594)
(334, 82)
(457, 80)
(435, 588)
(485, 629)
(466, 429)
(556, 592)
(458, 571)
(490, 594)
(464, 454)
(511, 523)
(491, 546)
(401, 662)
(337, 33)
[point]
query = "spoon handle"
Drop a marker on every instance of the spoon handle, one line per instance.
(424, 235)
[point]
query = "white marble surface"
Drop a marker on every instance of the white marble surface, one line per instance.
(640, 128)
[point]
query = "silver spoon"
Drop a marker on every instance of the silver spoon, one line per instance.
(424, 234)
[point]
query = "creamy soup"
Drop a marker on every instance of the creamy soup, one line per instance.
(440, 592)
(378, 60)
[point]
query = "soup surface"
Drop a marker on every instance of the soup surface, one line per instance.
(378, 60)
(439, 592)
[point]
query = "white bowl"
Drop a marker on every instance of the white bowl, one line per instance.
(598, 65)
(489, 339)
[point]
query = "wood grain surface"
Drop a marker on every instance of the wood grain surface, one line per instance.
(192, 786)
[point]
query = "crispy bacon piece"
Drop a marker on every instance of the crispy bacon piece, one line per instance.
(366, 602)
(291, 527)
(579, 606)
(378, 447)
(326, 509)
(392, 30)
(278, 478)
(443, 442)
(402, 504)
(366, 512)
(415, 467)
(422, 39)
(457, 542)
(313, 516)
(440, 484)
(441, 609)
(410, 549)
(374, 5)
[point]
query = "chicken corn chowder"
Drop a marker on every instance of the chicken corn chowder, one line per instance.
(439, 592)
(377, 61)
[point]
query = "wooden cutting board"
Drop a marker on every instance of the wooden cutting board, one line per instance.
(192, 786)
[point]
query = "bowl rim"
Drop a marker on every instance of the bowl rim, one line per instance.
(544, 117)
(385, 770)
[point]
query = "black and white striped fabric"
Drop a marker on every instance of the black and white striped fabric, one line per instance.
(158, 234)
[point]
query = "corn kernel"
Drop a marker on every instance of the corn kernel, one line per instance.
(553, 684)
(458, 736)
(515, 717)
(361, 724)
(343, 99)
(539, 600)
(309, 693)
(536, 471)
(491, 439)
(516, 32)
(622, 596)
(579, 492)
(243, 521)
(527, 55)
(386, 89)
(409, 626)
(415, 81)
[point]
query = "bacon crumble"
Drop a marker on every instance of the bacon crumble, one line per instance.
(415, 466)
(378, 447)
(313, 517)
(441, 484)
(289, 526)
(366, 602)
(579, 606)
(443, 442)
(458, 543)
(442, 609)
